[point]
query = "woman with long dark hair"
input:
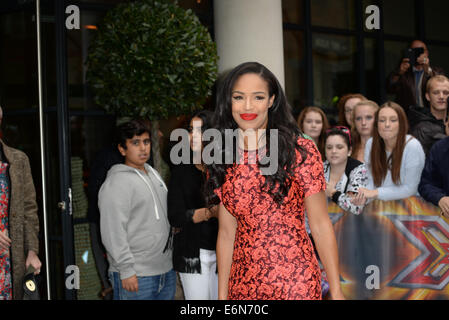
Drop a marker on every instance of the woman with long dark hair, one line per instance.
(344, 175)
(394, 159)
(194, 256)
(263, 250)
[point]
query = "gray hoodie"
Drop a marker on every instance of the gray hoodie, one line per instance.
(133, 221)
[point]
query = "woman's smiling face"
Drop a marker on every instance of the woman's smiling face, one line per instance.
(250, 102)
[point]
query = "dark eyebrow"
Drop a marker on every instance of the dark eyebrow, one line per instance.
(258, 92)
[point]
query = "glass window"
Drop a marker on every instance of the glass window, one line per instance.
(18, 76)
(294, 65)
(436, 17)
(202, 8)
(79, 95)
(371, 70)
(333, 13)
(87, 140)
(334, 69)
(438, 57)
(293, 11)
(399, 17)
(394, 53)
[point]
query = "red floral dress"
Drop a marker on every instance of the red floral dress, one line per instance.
(273, 256)
(5, 262)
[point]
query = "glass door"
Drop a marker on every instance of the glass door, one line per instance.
(19, 94)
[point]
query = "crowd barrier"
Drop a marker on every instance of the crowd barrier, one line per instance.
(393, 250)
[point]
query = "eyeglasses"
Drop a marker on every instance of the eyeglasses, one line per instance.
(343, 129)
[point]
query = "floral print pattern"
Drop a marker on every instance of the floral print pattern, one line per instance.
(5, 261)
(273, 256)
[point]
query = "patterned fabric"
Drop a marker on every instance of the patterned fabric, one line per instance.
(358, 178)
(5, 261)
(273, 256)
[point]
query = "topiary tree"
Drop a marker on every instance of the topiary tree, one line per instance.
(151, 59)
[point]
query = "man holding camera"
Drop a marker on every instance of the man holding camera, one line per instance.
(409, 81)
(430, 125)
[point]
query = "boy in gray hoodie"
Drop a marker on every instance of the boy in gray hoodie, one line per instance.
(133, 221)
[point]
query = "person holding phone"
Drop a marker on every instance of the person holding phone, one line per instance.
(408, 81)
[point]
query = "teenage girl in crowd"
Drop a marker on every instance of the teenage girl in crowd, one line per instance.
(344, 175)
(363, 120)
(345, 107)
(194, 254)
(394, 159)
(313, 122)
(263, 250)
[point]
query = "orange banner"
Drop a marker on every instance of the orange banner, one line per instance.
(394, 250)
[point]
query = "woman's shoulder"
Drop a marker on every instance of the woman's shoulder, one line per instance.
(412, 142)
(353, 164)
(413, 147)
(305, 142)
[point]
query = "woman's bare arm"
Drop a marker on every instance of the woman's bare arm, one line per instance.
(227, 226)
(324, 238)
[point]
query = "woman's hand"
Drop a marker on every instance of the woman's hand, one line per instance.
(369, 194)
(213, 212)
(358, 199)
(204, 214)
(5, 242)
(33, 260)
(330, 190)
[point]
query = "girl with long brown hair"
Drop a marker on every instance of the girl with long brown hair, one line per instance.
(363, 116)
(394, 159)
(313, 122)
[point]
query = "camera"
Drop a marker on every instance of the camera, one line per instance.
(413, 54)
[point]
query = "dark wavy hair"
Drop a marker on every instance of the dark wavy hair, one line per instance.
(206, 118)
(128, 130)
(280, 117)
(339, 132)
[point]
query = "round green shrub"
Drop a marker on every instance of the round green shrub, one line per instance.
(152, 59)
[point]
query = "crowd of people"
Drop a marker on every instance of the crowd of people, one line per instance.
(228, 230)
(241, 235)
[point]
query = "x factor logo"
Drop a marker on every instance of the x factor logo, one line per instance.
(429, 234)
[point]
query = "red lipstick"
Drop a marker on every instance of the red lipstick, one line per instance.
(248, 116)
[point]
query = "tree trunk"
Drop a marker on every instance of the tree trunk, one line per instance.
(155, 146)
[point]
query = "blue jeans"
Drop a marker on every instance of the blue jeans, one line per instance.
(160, 287)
